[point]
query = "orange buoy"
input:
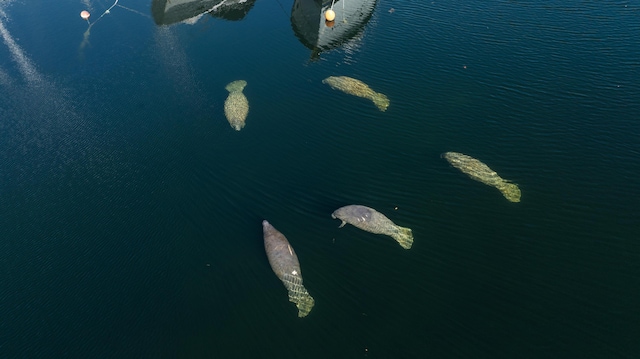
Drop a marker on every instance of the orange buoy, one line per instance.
(85, 15)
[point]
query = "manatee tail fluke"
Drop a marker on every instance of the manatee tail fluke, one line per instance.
(298, 294)
(304, 303)
(236, 86)
(403, 236)
(381, 101)
(510, 191)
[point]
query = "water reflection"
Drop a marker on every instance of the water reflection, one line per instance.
(167, 12)
(43, 134)
(311, 28)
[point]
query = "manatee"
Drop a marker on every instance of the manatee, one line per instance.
(357, 88)
(285, 265)
(482, 173)
(236, 106)
(370, 220)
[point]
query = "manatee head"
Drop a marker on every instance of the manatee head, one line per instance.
(332, 81)
(266, 226)
(236, 122)
(339, 213)
(351, 212)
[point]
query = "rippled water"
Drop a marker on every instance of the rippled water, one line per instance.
(131, 210)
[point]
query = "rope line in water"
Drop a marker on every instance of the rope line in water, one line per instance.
(108, 11)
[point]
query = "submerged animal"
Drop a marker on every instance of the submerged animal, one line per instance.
(370, 220)
(236, 106)
(357, 88)
(482, 173)
(285, 265)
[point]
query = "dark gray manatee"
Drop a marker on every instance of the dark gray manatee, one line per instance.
(285, 265)
(370, 220)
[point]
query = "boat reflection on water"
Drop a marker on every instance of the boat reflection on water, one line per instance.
(167, 12)
(311, 28)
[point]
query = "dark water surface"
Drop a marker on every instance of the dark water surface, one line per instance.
(130, 210)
